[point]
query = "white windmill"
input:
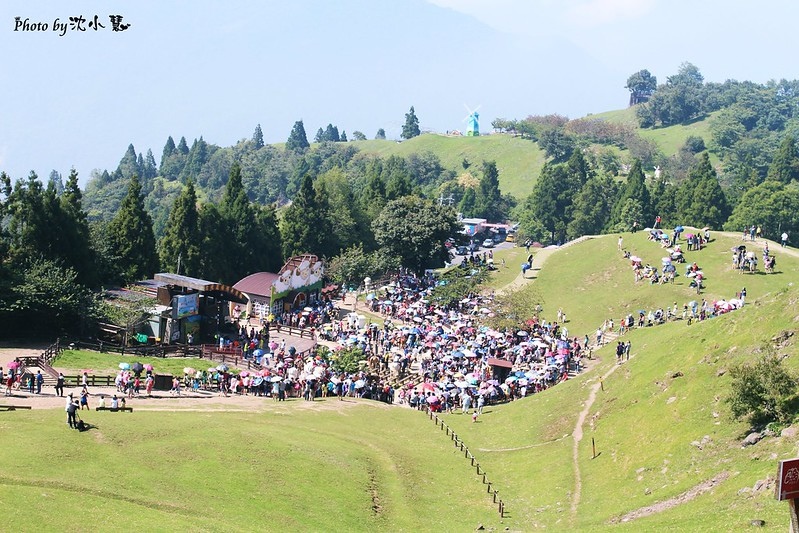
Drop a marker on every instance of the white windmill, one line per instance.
(472, 121)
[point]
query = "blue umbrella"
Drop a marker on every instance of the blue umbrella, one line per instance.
(258, 353)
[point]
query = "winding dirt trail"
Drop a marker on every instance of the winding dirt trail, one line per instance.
(577, 434)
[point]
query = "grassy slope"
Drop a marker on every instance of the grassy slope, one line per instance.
(287, 468)
(312, 469)
(669, 139)
(518, 161)
(645, 421)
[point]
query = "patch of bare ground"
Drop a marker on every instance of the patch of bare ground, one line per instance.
(665, 505)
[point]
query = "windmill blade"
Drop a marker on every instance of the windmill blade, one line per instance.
(468, 110)
(476, 109)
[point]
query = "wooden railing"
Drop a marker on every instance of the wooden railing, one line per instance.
(305, 333)
(159, 350)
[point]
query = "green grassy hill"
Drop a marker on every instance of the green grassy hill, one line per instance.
(668, 139)
(519, 161)
(669, 451)
(660, 425)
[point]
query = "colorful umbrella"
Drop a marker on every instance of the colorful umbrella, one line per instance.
(124, 366)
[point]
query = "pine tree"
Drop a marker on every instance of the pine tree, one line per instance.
(183, 147)
(128, 165)
(411, 127)
(635, 189)
(468, 203)
(381, 134)
(80, 253)
(785, 165)
(181, 240)
(297, 141)
(150, 169)
(269, 256)
(198, 156)
(258, 137)
(700, 199)
(320, 136)
(169, 149)
(343, 137)
(215, 238)
(488, 198)
(57, 181)
(331, 133)
(131, 236)
(239, 216)
(303, 228)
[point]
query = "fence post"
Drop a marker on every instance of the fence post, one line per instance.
(489, 488)
(495, 496)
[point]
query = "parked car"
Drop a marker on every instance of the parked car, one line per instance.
(462, 250)
(510, 237)
(488, 243)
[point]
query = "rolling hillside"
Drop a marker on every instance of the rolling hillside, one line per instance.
(519, 161)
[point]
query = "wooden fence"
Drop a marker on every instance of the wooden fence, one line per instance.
(469, 456)
(305, 333)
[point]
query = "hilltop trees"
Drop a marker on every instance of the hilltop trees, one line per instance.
(700, 200)
(181, 240)
(641, 85)
(131, 237)
(304, 227)
(411, 127)
(255, 243)
(258, 137)
(297, 141)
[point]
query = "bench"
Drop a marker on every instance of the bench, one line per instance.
(106, 408)
(13, 407)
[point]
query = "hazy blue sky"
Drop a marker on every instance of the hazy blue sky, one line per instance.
(216, 69)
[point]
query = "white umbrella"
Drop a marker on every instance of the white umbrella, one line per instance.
(360, 384)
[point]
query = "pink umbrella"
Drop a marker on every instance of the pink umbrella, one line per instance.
(273, 346)
(148, 367)
(13, 364)
(244, 373)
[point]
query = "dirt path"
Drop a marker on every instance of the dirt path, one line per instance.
(577, 434)
(539, 258)
(686, 496)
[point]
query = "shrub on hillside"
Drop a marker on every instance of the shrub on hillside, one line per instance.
(763, 391)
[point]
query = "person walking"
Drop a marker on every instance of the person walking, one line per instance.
(84, 399)
(59, 385)
(39, 382)
(784, 238)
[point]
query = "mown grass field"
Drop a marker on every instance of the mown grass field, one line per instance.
(361, 468)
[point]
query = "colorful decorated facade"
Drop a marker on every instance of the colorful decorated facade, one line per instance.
(295, 286)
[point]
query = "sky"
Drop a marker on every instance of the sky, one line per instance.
(216, 69)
